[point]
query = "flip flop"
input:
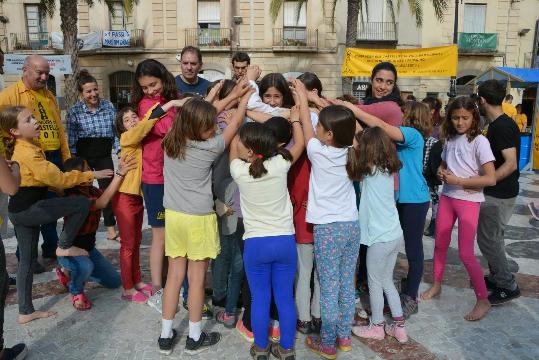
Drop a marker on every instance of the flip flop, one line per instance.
(116, 238)
(81, 302)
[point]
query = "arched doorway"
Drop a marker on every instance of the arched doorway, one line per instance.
(462, 88)
(51, 84)
(212, 75)
(120, 88)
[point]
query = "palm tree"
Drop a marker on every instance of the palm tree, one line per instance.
(68, 25)
(355, 10)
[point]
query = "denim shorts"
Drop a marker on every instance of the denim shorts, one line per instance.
(153, 200)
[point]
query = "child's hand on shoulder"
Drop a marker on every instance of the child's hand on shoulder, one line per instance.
(103, 174)
(346, 104)
(125, 164)
(179, 102)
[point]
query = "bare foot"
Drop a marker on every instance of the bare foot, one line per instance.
(433, 292)
(24, 319)
(480, 309)
(130, 292)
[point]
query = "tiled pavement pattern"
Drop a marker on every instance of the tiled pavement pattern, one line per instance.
(113, 329)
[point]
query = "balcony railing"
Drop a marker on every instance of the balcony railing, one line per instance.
(214, 38)
(295, 38)
(377, 31)
(137, 38)
(478, 42)
(29, 41)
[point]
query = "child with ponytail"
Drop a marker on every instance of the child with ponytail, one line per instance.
(259, 166)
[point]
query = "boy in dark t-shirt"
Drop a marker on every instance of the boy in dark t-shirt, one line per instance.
(504, 138)
(76, 270)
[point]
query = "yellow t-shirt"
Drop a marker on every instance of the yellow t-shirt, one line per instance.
(49, 137)
(521, 120)
(509, 110)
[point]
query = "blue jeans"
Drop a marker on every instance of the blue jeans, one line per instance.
(94, 267)
(48, 231)
(227, 269)
(270, 264)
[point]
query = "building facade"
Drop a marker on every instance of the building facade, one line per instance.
(491, 33)
(159, 29)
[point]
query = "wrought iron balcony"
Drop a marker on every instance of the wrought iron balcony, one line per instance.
(213, 38)
(377, 31)
(295, 38)
(29, 41)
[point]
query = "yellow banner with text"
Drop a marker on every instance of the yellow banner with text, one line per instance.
(436, 61)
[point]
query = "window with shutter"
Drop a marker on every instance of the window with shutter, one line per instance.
(474, 18)
(294, 27)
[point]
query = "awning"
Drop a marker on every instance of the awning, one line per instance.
(518, 77)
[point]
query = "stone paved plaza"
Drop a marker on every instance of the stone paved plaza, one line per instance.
(114, 329)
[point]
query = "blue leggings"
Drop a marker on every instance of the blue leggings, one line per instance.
(270, 263)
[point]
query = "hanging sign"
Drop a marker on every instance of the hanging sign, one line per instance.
(436, 61)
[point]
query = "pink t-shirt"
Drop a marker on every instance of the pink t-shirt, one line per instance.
(152, 153)
(388, 111)
(465, 159)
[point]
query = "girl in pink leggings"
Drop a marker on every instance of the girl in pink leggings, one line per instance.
(467, 166)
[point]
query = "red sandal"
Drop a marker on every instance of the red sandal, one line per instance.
(84, 303)
(62, 277)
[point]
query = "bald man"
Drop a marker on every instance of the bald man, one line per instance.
(31, 92)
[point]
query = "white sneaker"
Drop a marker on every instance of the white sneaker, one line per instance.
(156, 301)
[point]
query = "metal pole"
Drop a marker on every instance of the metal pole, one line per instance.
(453, 82)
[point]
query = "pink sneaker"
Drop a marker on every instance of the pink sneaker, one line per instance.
(398, 331)
(344, 344)
(370, 331)
(138, 297)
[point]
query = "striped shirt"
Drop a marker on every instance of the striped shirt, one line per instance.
(83, 123)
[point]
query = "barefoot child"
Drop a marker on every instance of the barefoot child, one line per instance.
(380, 231)
(30, 208)
(467, 163)
(79, 269)
(10, 179)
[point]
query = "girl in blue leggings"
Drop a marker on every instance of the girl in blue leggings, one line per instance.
(260, 168)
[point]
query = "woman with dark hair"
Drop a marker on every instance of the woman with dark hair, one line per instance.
(154, 85)
(90, 130)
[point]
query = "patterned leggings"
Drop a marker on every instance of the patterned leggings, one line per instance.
(336, 247)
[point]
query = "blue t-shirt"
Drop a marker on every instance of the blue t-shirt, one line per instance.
(413, 187)
(199, 88)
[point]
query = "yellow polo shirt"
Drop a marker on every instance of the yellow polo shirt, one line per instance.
(44, 105)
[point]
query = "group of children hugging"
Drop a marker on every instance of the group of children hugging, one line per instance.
(265, 173)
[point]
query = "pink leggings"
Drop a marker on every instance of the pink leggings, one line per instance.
(467, 212)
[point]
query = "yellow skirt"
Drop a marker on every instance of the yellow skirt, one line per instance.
(195, 237)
